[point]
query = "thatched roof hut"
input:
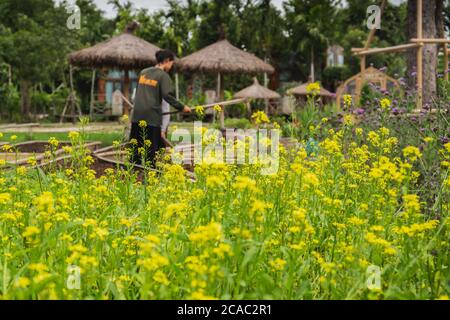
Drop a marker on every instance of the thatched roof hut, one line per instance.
(257, 91)
(223, 57)
(125, 52)
(301, 91)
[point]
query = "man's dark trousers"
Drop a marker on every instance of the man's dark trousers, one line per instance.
(148, 133)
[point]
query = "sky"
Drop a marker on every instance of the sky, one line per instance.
(149, 4)
(153, 5)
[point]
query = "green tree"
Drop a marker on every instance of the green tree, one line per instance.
(310, 25)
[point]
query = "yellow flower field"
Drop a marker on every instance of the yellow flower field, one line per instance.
(326, 226)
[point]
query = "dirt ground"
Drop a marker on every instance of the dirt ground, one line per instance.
(63, 128)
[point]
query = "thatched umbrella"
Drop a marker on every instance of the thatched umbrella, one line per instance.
(125, 51)
(223, 58)
(257, 91)
(302, 91)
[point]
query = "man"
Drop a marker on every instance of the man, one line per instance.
(154, 87)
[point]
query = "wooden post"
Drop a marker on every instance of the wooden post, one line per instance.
(363, 72)
(126, 93)
(419, 56)
(446, 67)
(9, 74)
(177, 94)
(91, 109)
(220, 98)
(177, 87)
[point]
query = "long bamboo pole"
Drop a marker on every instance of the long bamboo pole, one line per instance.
(419, 55)
(401, 47)
(211, 105)
(431, 40)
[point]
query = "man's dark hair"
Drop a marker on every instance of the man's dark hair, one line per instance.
(163, 55)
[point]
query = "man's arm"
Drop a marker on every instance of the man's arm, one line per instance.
(167, 93)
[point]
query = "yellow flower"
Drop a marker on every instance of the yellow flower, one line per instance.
(277, 264)
(53, 142)
(142, 124)
(32, 161)
(218, 108)
(73, 135)
(39, 267)
(200, 110)
(160, 277)
(260, 117)
(223, 249)
(348, 120)
(200, 295)
(413, 153)
(411, 202)
(7, 148)
(13, 137)
(154, 262)
(67, 149)
(22, 282)
(5, 198)
(210, 232)
(348, 99)
(359, 131)
(30, 231)
(385, 103)
(447, 147)
(313, 88)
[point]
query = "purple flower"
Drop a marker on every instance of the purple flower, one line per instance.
(395, 111)
(360, 111)
(445, 140)
(414, 74)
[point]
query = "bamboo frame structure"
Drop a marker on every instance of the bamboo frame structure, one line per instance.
(419, 55)
(446, 71)
(418, 43)
(71, 109)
